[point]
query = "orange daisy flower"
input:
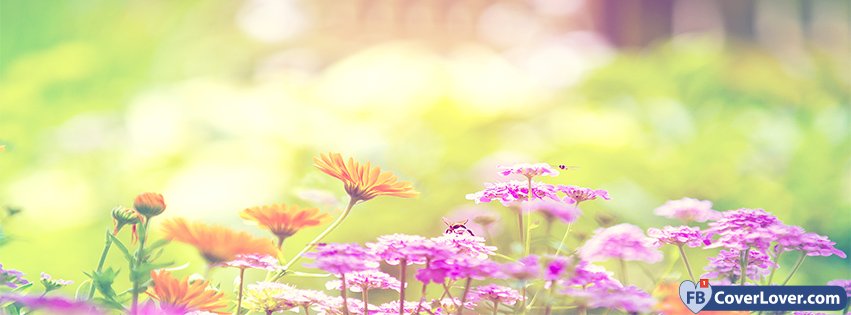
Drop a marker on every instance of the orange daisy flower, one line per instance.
(217, 244)
(194, 296)
(283, 220)
(363, 182)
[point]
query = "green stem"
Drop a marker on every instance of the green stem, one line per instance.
(563, 238)
(140, 255)
(520, 225)
(797, 265)
(549, 308)
(241, 282)
(774, 268)
(403, 275)
(318, 238)
(744, 263)
(344, 294)
(685, 261)
(623, 271)
(446, 293)
(103, 255)
(464, 295)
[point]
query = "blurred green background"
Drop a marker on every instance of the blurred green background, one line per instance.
(221, 106)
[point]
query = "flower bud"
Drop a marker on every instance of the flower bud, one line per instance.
(122, 216)
(149, 204)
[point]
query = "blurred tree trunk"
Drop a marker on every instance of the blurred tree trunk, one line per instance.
(739, 18)
(633, 23)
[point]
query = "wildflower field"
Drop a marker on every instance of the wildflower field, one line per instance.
(410, 157)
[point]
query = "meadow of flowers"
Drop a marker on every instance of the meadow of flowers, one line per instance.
(470, 274)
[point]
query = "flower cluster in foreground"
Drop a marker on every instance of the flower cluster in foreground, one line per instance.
(456, 272)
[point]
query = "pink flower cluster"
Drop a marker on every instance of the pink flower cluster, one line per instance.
(726, 267)
(679, 236)
(528, 170)
(495, 294)
(342, 258)
(688, 209)
(623, 241)
(366, 280)
(552, 209)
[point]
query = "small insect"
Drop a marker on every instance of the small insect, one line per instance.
(457, 227)
(566, 167)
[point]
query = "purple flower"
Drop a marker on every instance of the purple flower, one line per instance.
(342, 258)
(525, 268)
(392, 308)
(51, 284)
(12, 278)
(464, 244)
(555, 267)
(845, 284)
(688, 209)
(256, 261)
(552, 209)
(366, 280)
(52, 304)
(630, 299)
(151, 308)
(726, 266)
(622, 241)
(576, 194)
(509, 192)
(585, 274)
(679, 236)
(743, 228)
(414, 249)
(791, 238)
(495, 294)
(458, 267)
(528, 170)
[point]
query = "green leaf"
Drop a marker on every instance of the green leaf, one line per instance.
(23, 287)
(122, 248)
(157, 244)
(110, 303)
(102, 281)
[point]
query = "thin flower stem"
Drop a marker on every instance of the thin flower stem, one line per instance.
(685, 261)
(423, 292)
(744, 263)
(520, 225)
(344, 295)
(774, 268)
(103, 255)
(623, 271)
(318, 238)
(563, 238)
(241, 284)
(528, 230)
(797, 265)
(582, 310)
(306, 310)
(140, 255)
(523, 289)
(464, 295)
(495, 308)
(365, 296)
(446, 293)
(549, 308)
(403, 275)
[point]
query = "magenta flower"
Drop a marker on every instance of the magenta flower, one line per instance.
(726, 266)
(366, 280)
(392, 308)
(807, 313)
(555, 267)
(679, 236)
(845, 284)
(458, 267)
(525, 268)
(495, 294)
(528, 170)
(151, 308)
(688, 209)
(630, 299)
(464, 244)
(12, 278)
(743, 228)
(576, 194)
(552, 209)
(622, 241)
(791, 238)
(342, 258)
(52, 304)
(585, 274)
(256, 261)
(512, 191)
(414, 249)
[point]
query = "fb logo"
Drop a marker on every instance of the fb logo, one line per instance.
(695, 297)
